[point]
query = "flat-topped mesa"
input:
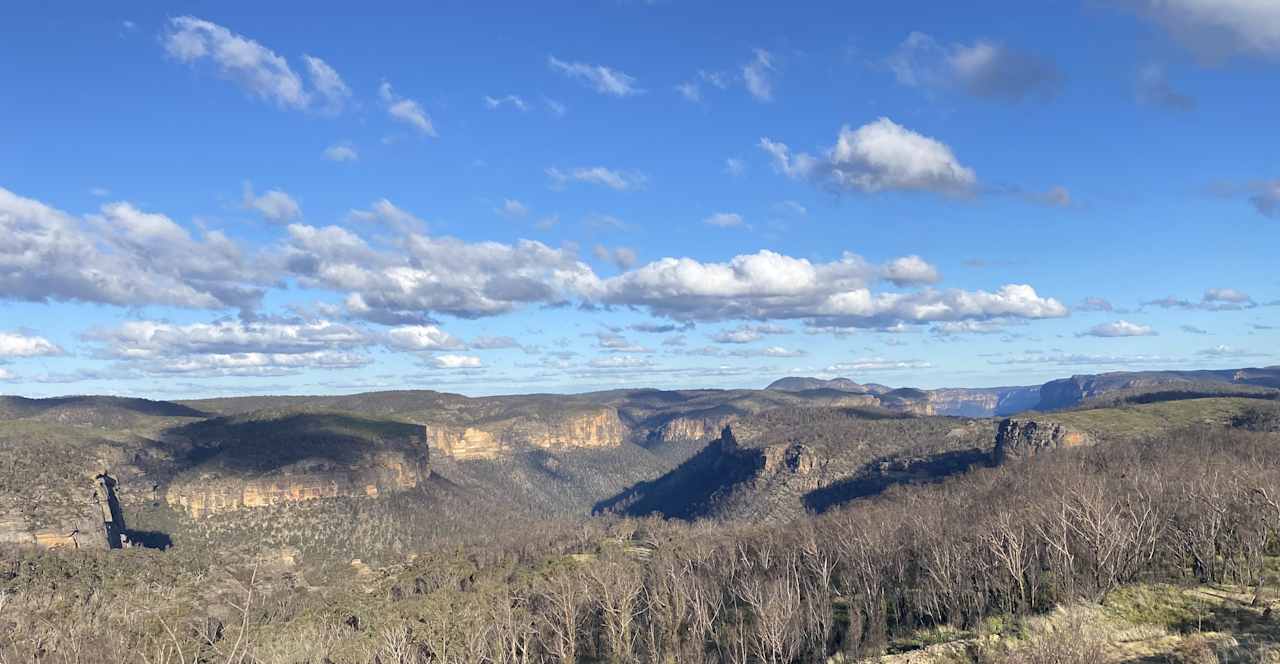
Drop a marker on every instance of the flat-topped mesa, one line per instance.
(593, 428)
(1023, 438)
(384, 472)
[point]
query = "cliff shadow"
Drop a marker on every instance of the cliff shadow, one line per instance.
(147, 539)
(270, 443)
(28, 407)
(689, 491)
(880, 475)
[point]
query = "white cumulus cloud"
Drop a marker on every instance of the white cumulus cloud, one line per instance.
(449, 361)
(13, 344)
(234, 348)
(768, 285)
(876, 157)
(122, 256)
(1119, 328)
(274, 205)
(1215, 29)
(421, 337)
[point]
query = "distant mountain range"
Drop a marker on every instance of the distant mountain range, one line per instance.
(1133, 386)
(967, 402)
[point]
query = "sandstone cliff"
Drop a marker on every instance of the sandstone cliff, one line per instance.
(983, 402)
(462, 442)
(1068, 392)
(692, 428)
(211, 493)
(592, 428)
(74, 533)
(267, 459)
(1022, 438)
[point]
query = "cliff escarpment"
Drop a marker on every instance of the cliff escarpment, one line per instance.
(960, 402)
(1150, 386)
(487, 439)
(260, 461)
(210, 493)
(983, 402)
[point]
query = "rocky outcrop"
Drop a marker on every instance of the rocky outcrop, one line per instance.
(691, 428)
(463, 443)
(595, 428)
(81, 528)
(383, 472)
(795, 464)
(1022, 438)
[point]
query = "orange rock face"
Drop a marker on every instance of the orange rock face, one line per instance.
(463, 442)
(694, 428)
(596, 428)
(385, 472)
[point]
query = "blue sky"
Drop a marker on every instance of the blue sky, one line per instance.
(206, 200)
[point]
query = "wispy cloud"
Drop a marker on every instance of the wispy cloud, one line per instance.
(257, 69)
(758, 75)
(513, 101)
(408, 111)
(597, 175)
(983, 69)
(600, 78)
(724, 219)
(340, 152)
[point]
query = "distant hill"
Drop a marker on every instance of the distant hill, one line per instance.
(963, 402)
(805, 384)
(1083, 390)
(99, 411)
(1080, 389)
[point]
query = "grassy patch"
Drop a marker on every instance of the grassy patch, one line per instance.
(1152, 604)
(929, 636)
(1154, 418)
